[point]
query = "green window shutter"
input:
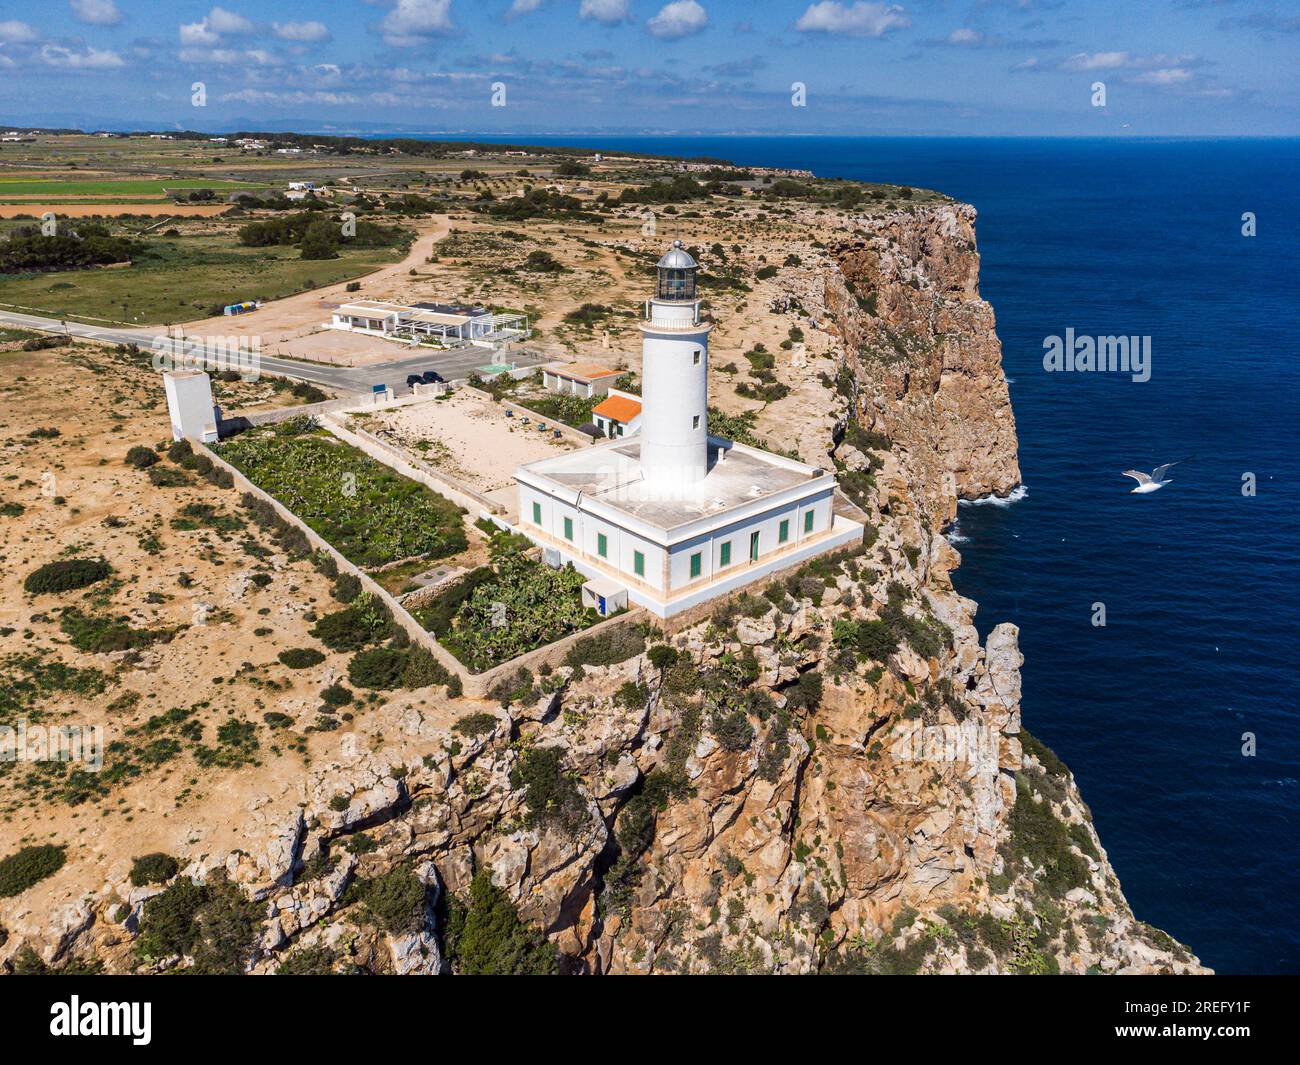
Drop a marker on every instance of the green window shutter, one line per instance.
(724, 556)
(808, 521)
(537, 514)
(638, 563)
(602, 545)
(783, 533)
(696, 566)
(753, 547)
(568, 528)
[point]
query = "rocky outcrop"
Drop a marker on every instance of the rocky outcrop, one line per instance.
(927, 363)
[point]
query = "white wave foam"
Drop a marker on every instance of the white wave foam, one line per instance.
(1015, 496)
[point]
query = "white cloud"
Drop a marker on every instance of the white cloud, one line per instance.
(524, 7)
(302, 31)
(228, 23)
(678, 19)
(231, 57)
(413, 21)
(197, 33)
(1084, 61)
(608, 12)
(966, 37)
(96, 12)
(1168, 76)
(216, 24)
(862, 19)
(14, 32)
(91, 59)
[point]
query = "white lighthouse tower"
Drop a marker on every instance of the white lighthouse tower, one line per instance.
(674, 379)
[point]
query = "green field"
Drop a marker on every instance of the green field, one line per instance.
(13, 189)
(180, 279)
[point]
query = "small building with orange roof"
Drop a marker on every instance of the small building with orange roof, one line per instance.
(618, 415)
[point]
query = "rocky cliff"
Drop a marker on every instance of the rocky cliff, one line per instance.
(828, 774)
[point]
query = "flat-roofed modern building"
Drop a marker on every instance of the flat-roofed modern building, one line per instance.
(673, 515)
(411, 323)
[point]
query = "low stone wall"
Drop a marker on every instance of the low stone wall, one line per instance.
(475, 685)
(237, 422)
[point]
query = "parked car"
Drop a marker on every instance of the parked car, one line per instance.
(414, 379)
(431, 377)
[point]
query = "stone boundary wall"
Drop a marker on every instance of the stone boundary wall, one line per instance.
(476, 685)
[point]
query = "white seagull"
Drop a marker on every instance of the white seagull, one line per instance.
(1152, 482)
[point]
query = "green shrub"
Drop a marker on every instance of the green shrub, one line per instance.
(336, 695)
(214, 923)
(632, 696)
(301, 657)
(29, 866)
(67, 575)
(96, 634)
(422, 669)
(607, 648)
(310, 961)
(487, 938)
(347, 587)
(662, 656)
(479, 724)
(155, 868)
(362, 622)
(551, 795)
(396, 900)
(141, 457)
(380, 668)
(167, 477)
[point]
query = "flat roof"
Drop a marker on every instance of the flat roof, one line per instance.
(611, 474)
(620, 408)
(374, 305)
(582, 371)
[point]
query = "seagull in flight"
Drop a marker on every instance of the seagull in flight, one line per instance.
(1152, 482)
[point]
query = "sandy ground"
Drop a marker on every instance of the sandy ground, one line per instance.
(468, 438)
(226, 664)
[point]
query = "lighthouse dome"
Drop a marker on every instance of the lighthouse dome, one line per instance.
(677, 258)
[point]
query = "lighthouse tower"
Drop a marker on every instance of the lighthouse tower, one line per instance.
(674, 379)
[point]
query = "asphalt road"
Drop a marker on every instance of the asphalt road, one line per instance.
(453, 365)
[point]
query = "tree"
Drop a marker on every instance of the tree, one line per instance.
(489, 939)
(321, 241)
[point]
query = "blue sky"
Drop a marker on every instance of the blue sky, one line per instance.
(967, 67)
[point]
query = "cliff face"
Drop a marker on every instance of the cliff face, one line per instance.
(923, 349)
(829, 774)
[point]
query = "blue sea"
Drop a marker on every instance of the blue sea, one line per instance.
(1200, 582)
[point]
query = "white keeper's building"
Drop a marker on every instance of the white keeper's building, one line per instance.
(673, 517)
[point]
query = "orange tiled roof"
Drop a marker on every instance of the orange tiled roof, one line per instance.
(619, 408)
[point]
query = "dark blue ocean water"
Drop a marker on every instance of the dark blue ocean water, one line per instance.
(1199, 582)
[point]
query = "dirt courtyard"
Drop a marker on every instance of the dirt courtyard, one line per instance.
(469, 438)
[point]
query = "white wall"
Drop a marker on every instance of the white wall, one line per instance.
(623, 544)
(675, 399)
(189, 403)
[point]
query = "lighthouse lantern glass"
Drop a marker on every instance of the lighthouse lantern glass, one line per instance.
(675, 284)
